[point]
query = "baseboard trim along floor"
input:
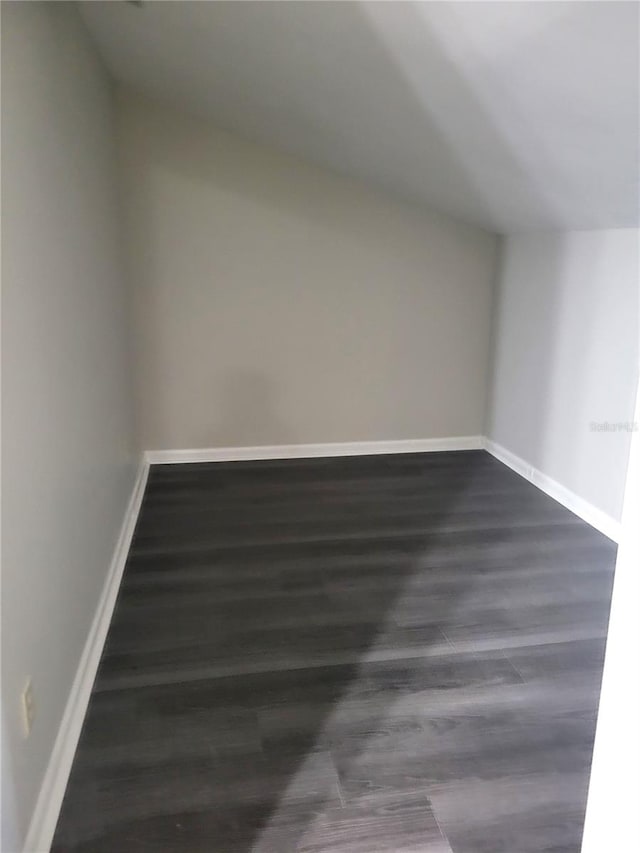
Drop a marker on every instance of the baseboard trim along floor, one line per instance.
(45, 814)
(582, 508)
(306, 451)
(570, 500)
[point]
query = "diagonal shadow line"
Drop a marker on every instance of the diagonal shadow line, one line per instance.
(273, 564)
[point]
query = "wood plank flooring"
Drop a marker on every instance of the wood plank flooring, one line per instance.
(389, 653)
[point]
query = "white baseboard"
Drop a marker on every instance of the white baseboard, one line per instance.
(304, 451)
(45, 814)
(582, 508)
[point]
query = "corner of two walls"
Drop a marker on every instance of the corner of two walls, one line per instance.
(277, 303)
(565, 363)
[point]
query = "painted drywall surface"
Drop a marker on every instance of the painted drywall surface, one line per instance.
(68, 436)
(565, 357)
(8, 826)
(277, 303)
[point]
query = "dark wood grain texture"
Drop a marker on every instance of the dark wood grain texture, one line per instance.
(391, 653)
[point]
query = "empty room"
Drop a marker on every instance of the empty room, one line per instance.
(320, 451)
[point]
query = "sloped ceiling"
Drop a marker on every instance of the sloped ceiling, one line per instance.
(514, 116)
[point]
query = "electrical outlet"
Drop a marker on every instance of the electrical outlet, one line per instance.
(28, 708)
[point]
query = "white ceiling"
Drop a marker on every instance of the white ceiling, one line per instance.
(511, 115)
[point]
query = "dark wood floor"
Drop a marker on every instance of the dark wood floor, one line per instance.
(391, 653)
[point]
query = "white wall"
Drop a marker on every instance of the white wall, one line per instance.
(277, 303)
(611, 821)
(68, 437)
(565, 357)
